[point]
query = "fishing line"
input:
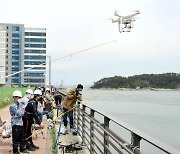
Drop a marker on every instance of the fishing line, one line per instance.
(70, 55)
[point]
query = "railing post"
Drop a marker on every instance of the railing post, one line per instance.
(135, 142)
(78, 117)
(91, 131)
(106, 143)
(83, 123)
(75, 118)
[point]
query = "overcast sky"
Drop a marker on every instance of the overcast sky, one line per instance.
(153, 46)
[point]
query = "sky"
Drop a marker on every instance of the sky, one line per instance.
(153, 45)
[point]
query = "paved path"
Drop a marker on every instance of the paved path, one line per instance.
(6, 144)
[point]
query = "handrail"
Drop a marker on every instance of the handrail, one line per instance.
(87, 123)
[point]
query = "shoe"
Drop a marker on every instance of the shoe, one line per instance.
(30, 148)
(73, 131)
(34, 146)
(24, 151)
(64, 130)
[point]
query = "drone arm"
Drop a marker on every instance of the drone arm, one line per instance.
(117, 15)
(114, 21)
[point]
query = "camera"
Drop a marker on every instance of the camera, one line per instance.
(78, 93)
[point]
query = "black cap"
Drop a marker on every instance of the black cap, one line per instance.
(80, 86)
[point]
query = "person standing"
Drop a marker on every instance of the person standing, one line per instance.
(16, 111)
(29, 115)
(70, 99)
(49, 102)
(28, 95)
(58, 99)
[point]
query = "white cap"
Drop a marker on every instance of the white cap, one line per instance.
(48, 89)
(29, 91)
(17, 93)
(37, 92)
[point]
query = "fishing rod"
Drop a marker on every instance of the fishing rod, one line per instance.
(69, 55)
(51, 123)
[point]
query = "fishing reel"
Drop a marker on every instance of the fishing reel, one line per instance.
(51, 126)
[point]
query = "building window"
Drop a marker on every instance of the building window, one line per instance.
(6, 79)
(7, 39)
(15, 63)
(15, 35)
(6, 68)
(15, 52)
(35, 51)
(15, 69)
(6, 34)
(7, 27)
(15, 28)
(26, 45)
(15, 40)
(15, 46)
(6, 45)
(15, 57)
(7, 57)
(34, 34)
(6, 51)
(6, 62)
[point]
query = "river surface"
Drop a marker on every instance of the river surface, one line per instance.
(156, 113)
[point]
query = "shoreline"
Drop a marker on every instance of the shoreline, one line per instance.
(137, 89)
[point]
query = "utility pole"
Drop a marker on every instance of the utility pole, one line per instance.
(49, 69)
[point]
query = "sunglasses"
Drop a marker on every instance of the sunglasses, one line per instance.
(17, 97)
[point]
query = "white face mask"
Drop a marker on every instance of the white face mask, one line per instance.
(29, 96)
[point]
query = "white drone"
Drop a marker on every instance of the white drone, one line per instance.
(125, 22)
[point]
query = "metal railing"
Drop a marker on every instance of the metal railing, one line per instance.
(101, 134)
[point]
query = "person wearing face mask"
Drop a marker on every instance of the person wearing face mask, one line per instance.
(16, 111)
(70, 99)
(28, 95)
(30, 114)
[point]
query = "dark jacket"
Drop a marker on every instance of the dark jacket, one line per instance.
(31, 111)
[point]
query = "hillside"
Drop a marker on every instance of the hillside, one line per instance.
(165, 80)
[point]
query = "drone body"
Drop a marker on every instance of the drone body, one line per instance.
(125, 23)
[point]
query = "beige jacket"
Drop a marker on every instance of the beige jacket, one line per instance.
(70, 99)
(49, 99)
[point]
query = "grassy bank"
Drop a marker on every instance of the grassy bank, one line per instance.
(6, 95)
(53, 136)
(53, 139)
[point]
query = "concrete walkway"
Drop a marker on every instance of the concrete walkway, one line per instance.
(6, 144)
(68, 139)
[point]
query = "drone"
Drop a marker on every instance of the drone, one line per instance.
(126, 23)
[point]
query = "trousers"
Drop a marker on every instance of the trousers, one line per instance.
(18, 138)
(70, 115)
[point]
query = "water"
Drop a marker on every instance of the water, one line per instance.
(156, 113)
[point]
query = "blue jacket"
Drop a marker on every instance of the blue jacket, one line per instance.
(16, 111)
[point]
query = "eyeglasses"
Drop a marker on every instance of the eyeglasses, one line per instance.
(17, 97)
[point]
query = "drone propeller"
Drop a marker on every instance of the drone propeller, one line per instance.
(111, 19)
